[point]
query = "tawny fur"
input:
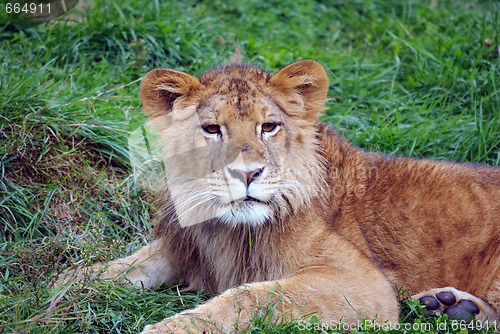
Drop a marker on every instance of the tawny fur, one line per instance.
(358, 225)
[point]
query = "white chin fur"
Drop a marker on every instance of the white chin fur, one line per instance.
(251, 213)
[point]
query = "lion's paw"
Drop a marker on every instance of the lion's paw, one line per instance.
(458, 305)
(175, 325)
(151, 329)
(71, 275)
(161, 328)
(78, 275)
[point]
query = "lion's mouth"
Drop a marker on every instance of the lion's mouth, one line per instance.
(246, 199)
(246, 210)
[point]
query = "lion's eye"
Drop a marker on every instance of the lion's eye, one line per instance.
(269, 127)
(211, 128)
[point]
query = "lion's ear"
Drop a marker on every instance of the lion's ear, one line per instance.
(307, 78)
(161, 87)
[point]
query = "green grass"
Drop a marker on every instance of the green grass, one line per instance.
(409, 77)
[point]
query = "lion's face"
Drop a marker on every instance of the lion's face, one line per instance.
(239, 144)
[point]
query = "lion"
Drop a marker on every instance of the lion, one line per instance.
(267, 205)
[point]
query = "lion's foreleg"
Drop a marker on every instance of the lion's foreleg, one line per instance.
(148, 267)
(331, 294)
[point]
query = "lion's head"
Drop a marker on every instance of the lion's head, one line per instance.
(240, 144)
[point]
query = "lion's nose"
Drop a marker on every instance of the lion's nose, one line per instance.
(245, 177)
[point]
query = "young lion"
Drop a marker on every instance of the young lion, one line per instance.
(267, 205)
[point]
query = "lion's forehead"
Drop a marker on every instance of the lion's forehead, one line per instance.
(234, 76)
(251, 107)
(240, 86)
